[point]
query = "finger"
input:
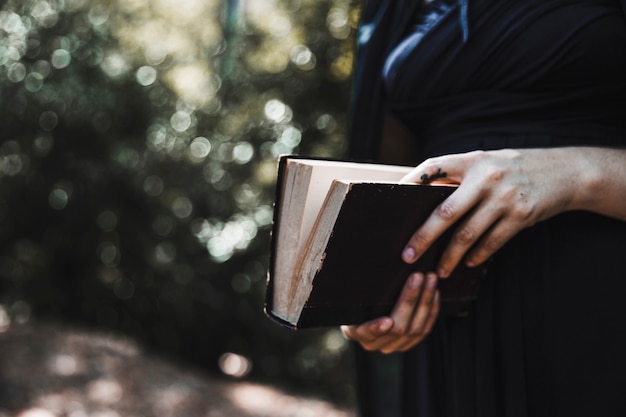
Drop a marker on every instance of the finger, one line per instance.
(446, 169)
(420, 321)
(387, 340)
(423, 321)
(434, 313)
(432, 318)
(443, 217)
(491, 242)
(402, 312)
(368, 332)
(466, 234)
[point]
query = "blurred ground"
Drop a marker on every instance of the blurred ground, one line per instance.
(50, 371)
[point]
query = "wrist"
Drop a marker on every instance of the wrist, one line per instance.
(591, 181)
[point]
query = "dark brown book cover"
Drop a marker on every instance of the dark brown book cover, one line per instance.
(362, 272)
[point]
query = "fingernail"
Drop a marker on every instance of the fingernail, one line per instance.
(408, 255)
(432, 283)
(385, 325)
(442, 273)
(415, 281)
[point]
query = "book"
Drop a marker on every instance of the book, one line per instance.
(337, 237)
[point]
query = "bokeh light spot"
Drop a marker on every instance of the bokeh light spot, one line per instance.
(165, 253)
(243, 152)
(334, 342)
(182, 207)
(155, 54)
(326, 123)
(33, 82)
(291, 137)
(146, 75)
(48, 120)
(61, 58)
(109, 254)
(195, 83)
(235, 365)
(180, 121)
(302, 56)
(43, 145)
(58, 199)
(338, 23)
(124, 289)
(36, 412)
(64, 365)
(199, 148)
(263, 215)
(114, 65)
(105, 391)
(98, 15)
(153, 185)
(16, 72)
(42, 67)
(277, 111)
(221, 180)
(11, 165)
(280, 26)
(44, 13)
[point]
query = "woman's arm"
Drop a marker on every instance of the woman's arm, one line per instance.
(502, 192)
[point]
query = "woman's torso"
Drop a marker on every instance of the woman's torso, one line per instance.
(549, 72)
(544, 338)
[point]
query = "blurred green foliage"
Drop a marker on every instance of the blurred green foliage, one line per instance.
(138, 146)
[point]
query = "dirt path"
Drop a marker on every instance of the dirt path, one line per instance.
(52, 372)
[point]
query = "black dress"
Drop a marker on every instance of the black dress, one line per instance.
(547, 335)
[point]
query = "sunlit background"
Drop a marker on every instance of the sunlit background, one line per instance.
(138, 147)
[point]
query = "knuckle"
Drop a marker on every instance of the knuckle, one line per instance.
(430, 163)
(447, 210)
(520, 208)
(523, 212)
(493, 243)
(465, 235)
(494, 173)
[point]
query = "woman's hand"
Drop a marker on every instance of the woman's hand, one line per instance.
(410, 321)
(502, 192)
